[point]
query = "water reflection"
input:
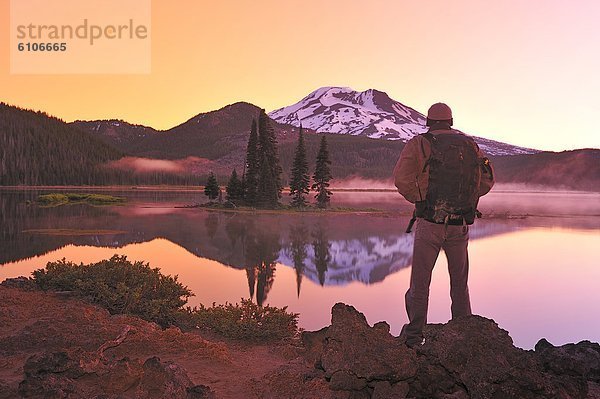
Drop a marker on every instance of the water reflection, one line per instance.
(298, 252)
(262, 249)
(329, 250)
(321, 252)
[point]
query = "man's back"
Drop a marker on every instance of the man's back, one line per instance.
(443, 173)
(411, 176)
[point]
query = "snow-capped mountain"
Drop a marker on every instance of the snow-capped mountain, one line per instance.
(342, 110)
(369, 113)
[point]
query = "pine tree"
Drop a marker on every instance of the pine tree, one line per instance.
(300, 180)
(322, 175)
(269, 178)
(252, 167)
(211, 189)
(234, 188)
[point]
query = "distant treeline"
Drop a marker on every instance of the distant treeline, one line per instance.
(38, 149)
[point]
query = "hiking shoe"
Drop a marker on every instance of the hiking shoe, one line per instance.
(415, 344)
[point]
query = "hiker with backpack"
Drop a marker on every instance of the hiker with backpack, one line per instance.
(443, 172)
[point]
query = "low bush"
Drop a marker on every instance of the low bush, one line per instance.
(245, 320)
(120, 286)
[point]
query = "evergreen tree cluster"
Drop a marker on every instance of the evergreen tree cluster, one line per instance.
(300, 180)
(261, 182)
(261, 185)
(269, 172)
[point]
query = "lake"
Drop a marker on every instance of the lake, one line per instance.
(534, 259)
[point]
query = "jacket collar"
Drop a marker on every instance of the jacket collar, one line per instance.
(439, 126)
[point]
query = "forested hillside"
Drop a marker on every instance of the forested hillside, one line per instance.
(222, 136)
(350, 155)
(39, 149)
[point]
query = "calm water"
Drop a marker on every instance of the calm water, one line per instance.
(537, 275)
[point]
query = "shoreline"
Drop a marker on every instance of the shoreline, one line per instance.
(200, 189)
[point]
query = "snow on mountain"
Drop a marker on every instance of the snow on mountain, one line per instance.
(342, 110)
(368, 260)
(369, 113)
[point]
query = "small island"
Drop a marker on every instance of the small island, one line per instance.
(228, 206)
(57, 199)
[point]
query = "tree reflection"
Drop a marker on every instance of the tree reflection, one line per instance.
(262, 250)
(298, 244)
(212, 224)
(321, 247)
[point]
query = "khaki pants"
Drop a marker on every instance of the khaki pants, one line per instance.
(429, 239)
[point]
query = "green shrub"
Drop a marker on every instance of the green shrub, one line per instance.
(95, 199)
(53, 199)
(120, 286)
(247, 321)
(56, 199)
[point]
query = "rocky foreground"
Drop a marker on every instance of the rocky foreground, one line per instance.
(53, 346)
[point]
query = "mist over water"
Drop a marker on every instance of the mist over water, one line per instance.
(503, 199)
(360, 183)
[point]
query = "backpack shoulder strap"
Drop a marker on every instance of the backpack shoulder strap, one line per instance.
(431, 139)
(428, 136)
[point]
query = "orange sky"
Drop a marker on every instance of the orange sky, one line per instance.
(523, 72)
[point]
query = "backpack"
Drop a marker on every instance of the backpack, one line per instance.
(454, 175)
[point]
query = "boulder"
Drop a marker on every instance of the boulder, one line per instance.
(581, 359)
(50, 375)
(354, 355)
(469, 357)
(168, 380)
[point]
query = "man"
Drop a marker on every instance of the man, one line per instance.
(443, 173)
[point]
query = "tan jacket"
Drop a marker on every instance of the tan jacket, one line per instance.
(412, 181)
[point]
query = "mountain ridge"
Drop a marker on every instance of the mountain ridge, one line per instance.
(370, 113)
(217, 141)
